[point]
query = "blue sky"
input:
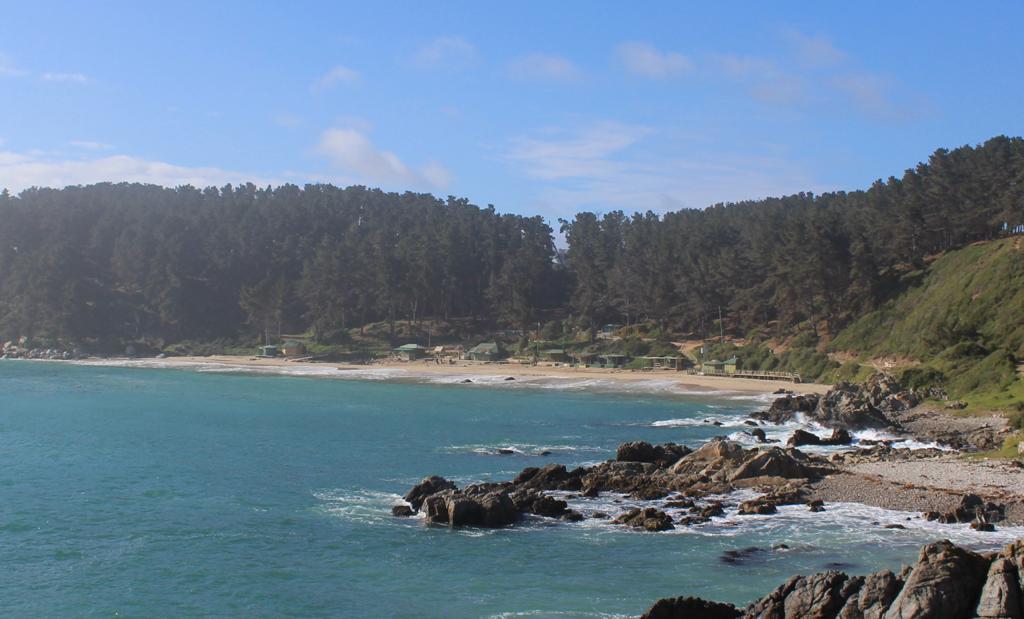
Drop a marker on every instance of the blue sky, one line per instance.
(535, 107)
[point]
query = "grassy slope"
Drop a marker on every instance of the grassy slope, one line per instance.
(961, 325)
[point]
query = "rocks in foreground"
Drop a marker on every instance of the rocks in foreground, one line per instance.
(946, 582)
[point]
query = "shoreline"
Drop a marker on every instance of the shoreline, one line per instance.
(470, 369)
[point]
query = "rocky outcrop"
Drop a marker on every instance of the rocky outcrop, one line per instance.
(972, 509)
(642, 451)
(643, 471)
(946, 582)
(694, 608)
(649, 518)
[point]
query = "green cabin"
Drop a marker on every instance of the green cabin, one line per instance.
(410, 352)
(486, 351)
(727, 367)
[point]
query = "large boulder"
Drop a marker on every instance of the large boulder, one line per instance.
(642, 451)
(773, 462)
(427, 487)
(945, 582)
(870, 595)
(847, 406)
(1001, 595)
(690, 608)
(787, 407)
(456, 508)
(649, 518)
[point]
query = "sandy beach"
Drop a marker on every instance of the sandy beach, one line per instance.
(540, 371)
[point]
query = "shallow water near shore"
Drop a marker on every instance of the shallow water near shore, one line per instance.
(160, 492)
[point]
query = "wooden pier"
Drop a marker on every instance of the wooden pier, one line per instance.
(754, 374)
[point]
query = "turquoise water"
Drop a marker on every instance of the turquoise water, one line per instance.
(169, 492)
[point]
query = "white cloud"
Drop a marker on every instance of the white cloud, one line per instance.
(739, 66)
(453, 53)
(22, 170)
(66, 78)
(544, 67)
(89, 145)
(814, 50)
(339, 74)
(643, 59)
(360, 161)
(609, 165)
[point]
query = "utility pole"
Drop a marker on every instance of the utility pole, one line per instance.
(721, 328)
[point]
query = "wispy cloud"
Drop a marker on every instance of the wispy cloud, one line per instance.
(8, 68)
(814, 50)
(359, 160)
(645, 60)
(90, 145)
(66, 78)
(339, 74)
(451, 53)
(870, 93)
(544, 67)
(22, 170)
(609, 165)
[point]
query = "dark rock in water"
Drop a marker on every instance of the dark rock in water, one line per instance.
(465, 381)
(457, 508)
(571, 515)
(780, 547)
(840, 436)
(642, 451)
(895, 526)
(510, 378)
(506, 452)
(591, 492)
(544, 453)
(786, 408)
(690, 608)
(983, 526)
(712, 510)
(733, 557)
(648, 518)
(817, 505)
(680, 503)
(759, 434)
(534, 502)
(802, 437)
(759, 506)
(748, 422)
(716, 423)
(427, 487)
(600, 516)
(402, 511)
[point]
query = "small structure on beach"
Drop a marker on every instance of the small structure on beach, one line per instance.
(554, 355)
(486, 351)
(720, 368)
(612, 361)
(409, 352)
(268, 351)
(293, 348)
(676, 363)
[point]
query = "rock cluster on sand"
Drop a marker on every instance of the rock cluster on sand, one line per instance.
(641, 470)
(946, 582)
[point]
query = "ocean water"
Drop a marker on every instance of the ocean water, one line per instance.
(154, 492)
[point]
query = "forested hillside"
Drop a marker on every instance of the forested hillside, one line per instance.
(121, 262)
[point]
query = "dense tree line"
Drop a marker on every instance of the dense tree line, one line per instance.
(130, 261)
(135, 261)
(818, 260)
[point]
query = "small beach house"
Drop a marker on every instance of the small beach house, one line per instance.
(486, 351)
(409, 352)
(293, 348)
(727, 367)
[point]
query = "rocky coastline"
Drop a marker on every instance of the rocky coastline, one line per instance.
(684, 487)
(947, 582)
